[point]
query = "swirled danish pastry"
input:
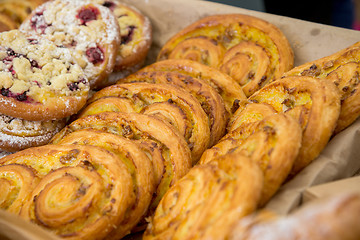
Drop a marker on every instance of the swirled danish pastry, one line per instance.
(227, 87)
(314, 103)
(342, 68)
(6, 23)
(208, 200)
(83, 191)
(210, 101)
(273, 143)
(249, 49)
(168, 102)
(175, 154)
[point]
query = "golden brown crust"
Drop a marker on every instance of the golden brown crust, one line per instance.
(6, 23)
(168, 102)
(335, 218)
(273, 143)
(227, 87)
(210, 100)
(342, 68)
(229, 40)
(314, 103)
(205, 203)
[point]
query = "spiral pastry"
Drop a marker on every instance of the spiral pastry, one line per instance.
(342, 68)
(249, 49)
(227, 87)
(334, 218)
(6, 23)
(175, 155)
(83, 191)
(273, 143)
(211, 102)
(138, 164)
(314, 103)
(168, 102)
(208, 200)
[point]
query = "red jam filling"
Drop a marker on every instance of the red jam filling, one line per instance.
(37, 22)
(95, 55)
(87, 14)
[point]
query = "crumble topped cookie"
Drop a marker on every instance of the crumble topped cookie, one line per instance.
(38, 80)
(90, 30)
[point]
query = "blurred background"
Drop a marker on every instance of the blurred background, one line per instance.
(340, 13)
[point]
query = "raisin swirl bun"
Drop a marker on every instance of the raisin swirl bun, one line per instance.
(211, 102)
(83, 191)
(314, 103)
(228, 41)
(138, 163)
(194, 208)
(39, 80)
(154, 136)
(273, 143)
(342, 68)
(17, 134)
(227, 87)
(89, 29)
(168, 102)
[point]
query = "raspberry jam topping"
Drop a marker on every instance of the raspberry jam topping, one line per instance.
(75, 85)
(87, 14)
(128, 37)
(95, 55)
(22, 97)
(37, 22)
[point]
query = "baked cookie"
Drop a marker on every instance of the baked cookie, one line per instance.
(17, 134)
(249, 49)
(208, 200)
(167, 102)
(39, 81)
(343, 69)
(90, 30)
(83, 192)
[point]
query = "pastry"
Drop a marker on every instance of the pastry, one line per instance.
(39, 80)
(165, 101)
(17, 134)
(227, 87)
(342, 68)
(6, 23)
(83, 191)
(314, 103)
(229, 41)
(136, 38)
(175, 155)
(208, 200)
(89, 29)
(333, 218)
(273, 143)
(211, 102)
(138, 164)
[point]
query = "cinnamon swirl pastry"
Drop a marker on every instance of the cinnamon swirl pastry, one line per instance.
(342, 68)
(228, 41)
(168, 102)
(273, 143)
(155, 135)
(227, 87)
(314, 103)
(208, 200)
(6, 23)
(335, 218)
(211, 102)
(83, 191)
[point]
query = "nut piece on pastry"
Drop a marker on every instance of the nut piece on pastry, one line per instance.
(314, 103)
(206, 202)
(210, 101)
(138, 164)
(342, 68)
(167, 102)
(83, 192)
(89, 29)
(17, 134)
(175, 154)
(229, 41)
(335, 218)
(229, 90)
(273, 143)
(39, 81)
